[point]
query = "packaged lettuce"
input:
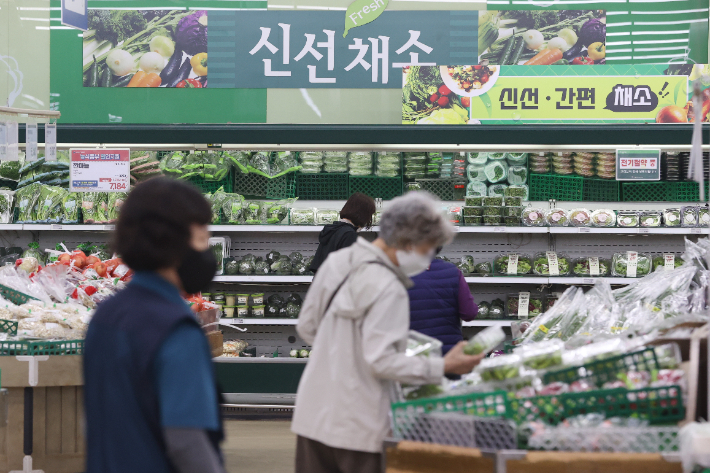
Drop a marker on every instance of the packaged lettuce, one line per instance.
(252, 211)
(580, 218)
(49, 198)
(327, 216)
(628, 219)
(671, 217)
(667, 261)
(514, 309)
(259, 163)
(630, 265)
(689, 216)
(703, 216)
(6, 206)
(71, 202)
(485, 341)
(603, 218)
(232, 205)
(496, 171)
(513, 264)
(90, 203)
(517, 159)
(477, 158)
(10, 170)
(303, 217)
(216, 199)
(517, 191)
(115, 202)
(517, 175)
(483, 268)
(556, 218)
(475, 173)
(591, 266)
(483, 310)
(650, 218)
(551, 264)
(497, 156)
(533, 217)
(473, 201)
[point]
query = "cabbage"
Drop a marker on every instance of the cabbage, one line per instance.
(246, 267)
(593, 31)
(261, 267)
(443, 116)
(496, 171)
(292, 310)
(191, 33)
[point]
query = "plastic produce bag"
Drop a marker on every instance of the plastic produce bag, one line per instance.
(232, 206)
(284, 163)
(517, 175)
(485, 341)
(476, 188)
(172, 164)
(259, 163)
(49, 198)
(303, 216)
(497, 190)
(477, 158)
(216, 199)
(6, 206)
(275, 213)
(115, 202)
(26, 200)
(10, 170)
(542, 265)
(541, 356)
(71, 202)
(327, 216)
(496, 171)
(252, 212)
(217, 167)
(240, 159)
(499, 368)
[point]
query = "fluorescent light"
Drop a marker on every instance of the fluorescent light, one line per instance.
(664, 41)
(282, 6)
(672, 12)
(679, 22)
(34, 19)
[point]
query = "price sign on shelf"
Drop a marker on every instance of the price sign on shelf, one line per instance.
(100, 170)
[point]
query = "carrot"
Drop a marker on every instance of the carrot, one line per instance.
(545, 57)
(150, 80)
(137, 77)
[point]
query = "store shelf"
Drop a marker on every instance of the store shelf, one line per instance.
(488, 323)
(11, 226)
(507, 280)
(230, 322)
(502, 229)
(265, 279)
(72, 228)
(274, 228)
(260, 359)
(583, 281)
(630, 231)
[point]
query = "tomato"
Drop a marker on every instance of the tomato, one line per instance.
(477, 67)
(92, 260)
(466, 102)
(484, 78)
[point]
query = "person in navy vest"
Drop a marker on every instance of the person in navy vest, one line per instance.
(439, 300)
(150, 393)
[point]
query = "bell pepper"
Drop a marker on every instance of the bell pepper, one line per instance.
(199, 64)
(189, 84)
(582, 60)
(597, 51)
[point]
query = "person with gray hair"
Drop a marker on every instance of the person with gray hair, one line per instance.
(356, 317)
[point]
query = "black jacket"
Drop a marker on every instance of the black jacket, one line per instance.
(332, 238)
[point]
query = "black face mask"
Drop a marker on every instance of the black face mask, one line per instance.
(197, 270)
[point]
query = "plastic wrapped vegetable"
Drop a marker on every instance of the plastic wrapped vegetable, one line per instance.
(284, 163)
(282, 266)
(580, 218)
(90, 203)
(252, 212)
(303, 217)
(240, 159)
(473, 201)
(49, 198)
(467, 260)
(483, 268)
(603, 218)
(533, 217)
(497, 156)
(232, 206)
(231, 266)
(326, 216)
(476, 173)
(628, 219)
(216, 201)
(518, 159)
(476, 189)
(483, 309)
(292, 310)
(172, 164)
(583, 267)
(259, 164)
(262, 267)
(492, 201)
(556, 218)
(541, 356)
(248, 266)
(534, 306)
(485, 341)
(650, 218)
(541, 264)
(10, 170)
(689, 216)
(6, 206)
(71, 202)
(659, 261)
(497, 310)
(497, 190)
(499, 368)
(517, 191)
(115, 202)
(477, 158)
(276, 212)
(26, 200)
(620, 263)
(300, 268)
(671, 217)
(517, 175)
(703, 216)
(502, 262)
(496, 171)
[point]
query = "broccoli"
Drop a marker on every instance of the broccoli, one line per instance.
(116, 25)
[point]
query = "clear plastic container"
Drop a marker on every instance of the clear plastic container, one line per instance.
(689, 216)
(517, 175)
(627, 219)
(473, 221)
(327, 216)
(485, 341)
(512, 306)
(491, 201)
(580, 218)
(521, 191)
(543, 355)
(497, 190)
(556, 218)
(533, 217)
(671, 217)
(513, 212)
(703, 216)
(492, 220)
(541, 265)
(620, 263)
(493, 210)
(582, 268)
(603, 218)
(650, 218)
(419, 344)
(475, 189)
(473, 201)
(524, 264)
(303, 216)
(513, 201)
(499, 368)
(387, 172)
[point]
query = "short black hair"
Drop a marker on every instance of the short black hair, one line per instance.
(153, 229)
(359, 209)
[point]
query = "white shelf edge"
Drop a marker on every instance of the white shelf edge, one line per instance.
(488, 323)
(501, 229)
(629, 231)
(274, 228)
(470, 280)
(507, 280)
(592, 280)
(229, 322)
(60, 227)
(11, 226)
(264, 279)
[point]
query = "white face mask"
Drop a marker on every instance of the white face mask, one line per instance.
(412, 263)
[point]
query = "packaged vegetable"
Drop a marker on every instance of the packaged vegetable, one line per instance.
(71, 202)
(517, 175)
(556, 217)
(603, 218)
(620, 265)
(689, 216)
(485, 341)
(513, 201)
(503, 265)
(517, 191)
(497, 310)
(6, 206)
(326, 216)
(232, 205)
(512, 212)
(240, 159)
(533, 217)
(49, 198)
(541, 356)
(483, 309)
(492, 220)
(497, 190)
(650, 218)
(419, 344)
(252, 212)
(674, 261)
(472, 211)
(583, 266)
(497, 156)
(483, 268)
(475, 173)
(580, 218)
(303, 217)
(511, 221)
(493, 210)
(475, 188)
(492, 201)
(671, 217)
(518, 159)
(115, 202)
(534, 307)
(499, 368)
(542, 264)
(627, 219)
(477, 158)
(467, 260)
(496, 171)
(473, 201)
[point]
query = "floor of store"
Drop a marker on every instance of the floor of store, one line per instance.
(263, 446)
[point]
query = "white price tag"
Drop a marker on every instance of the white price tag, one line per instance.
(669, 262)
(498, 229)
(457, 229)
(593, 266)
(512, 264)
(238, 321)
(523, 305)
(632, 260)
(588, 281)
(31, 142)
(553, 264)
(56, 227)
(695, 230)
(100, 170)
(50, 142)
(644, 230)
(12, 137)
(584, 230)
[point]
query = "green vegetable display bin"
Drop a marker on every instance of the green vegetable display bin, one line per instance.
(444, 189)
(256, 185)
(649, 191)
(553, 186)
(601, 190)
(322, 186)
(385, 188)
(689, 192)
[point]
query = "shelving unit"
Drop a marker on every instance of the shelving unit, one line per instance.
(229, 322)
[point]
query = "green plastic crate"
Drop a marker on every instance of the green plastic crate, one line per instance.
(602, 371)
(256, 185)
(322, 186)
(552, 186)
(208, 187)
(601, 190)
(16, 297)
(689, 191)
(31, 348)
(659, 405)
(492, 404)
(648, 191)
(386, 188)
(444, 189)
(8, 326)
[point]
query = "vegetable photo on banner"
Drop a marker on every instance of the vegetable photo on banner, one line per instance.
(542, 37)
(427, 100)
(145, 48)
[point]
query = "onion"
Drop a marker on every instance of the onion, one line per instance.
(152, 62)
(533, 39)
(162, 45)
(558, 43)
(120, 62)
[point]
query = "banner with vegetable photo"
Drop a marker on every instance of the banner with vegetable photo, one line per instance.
(541, 37)
(699, 73)
(146, 48)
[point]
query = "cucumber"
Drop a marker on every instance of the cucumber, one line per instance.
(517, 51)
(94, 74)
(106, 78)
(507, 51)
(122, 81)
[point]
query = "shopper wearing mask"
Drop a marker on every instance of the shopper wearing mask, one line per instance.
(150, 393)
(439, 300)
(356, 317)
(355, 215)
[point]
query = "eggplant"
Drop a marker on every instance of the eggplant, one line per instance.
(182, 74)
(166, 75)
(574, 51)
